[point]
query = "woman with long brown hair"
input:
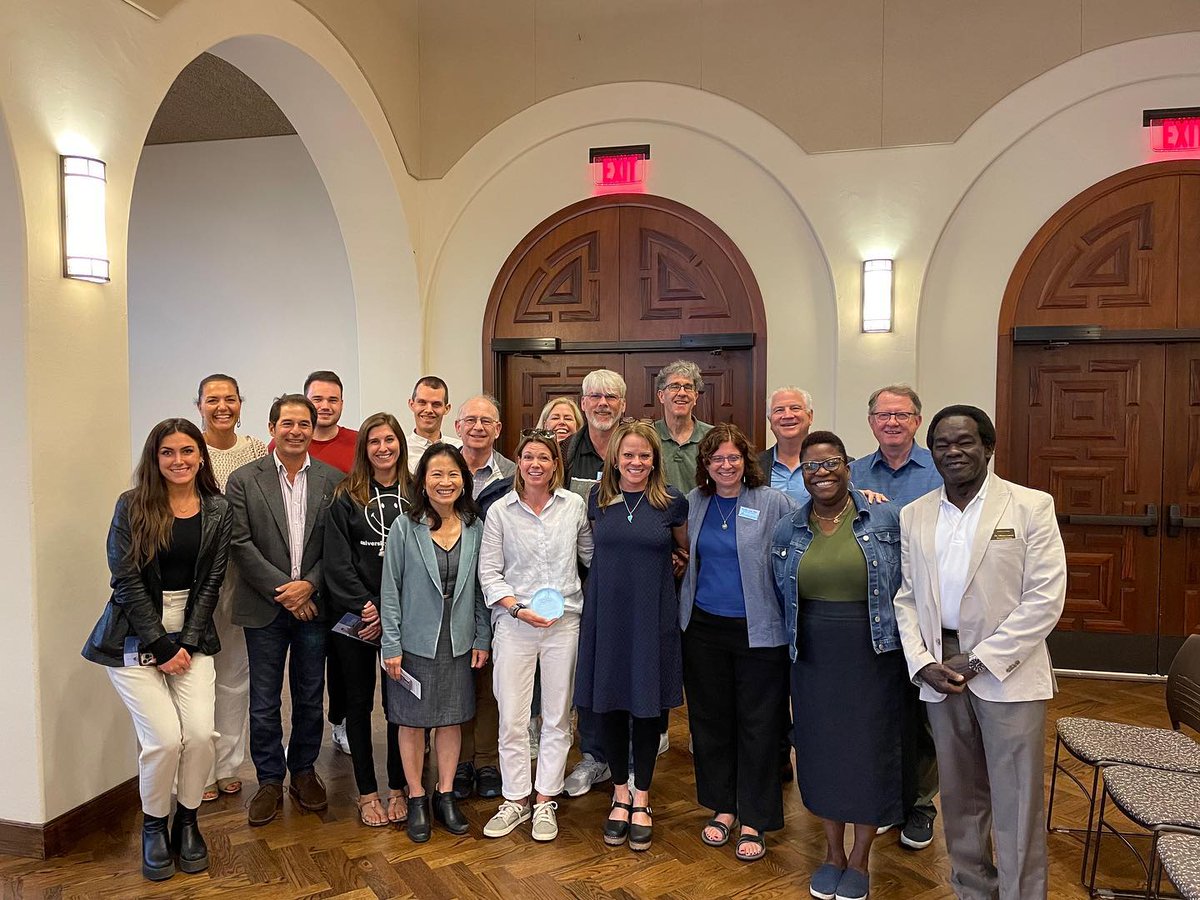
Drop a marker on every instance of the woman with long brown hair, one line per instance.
(374, 492)
(629, 668)
(167, 548)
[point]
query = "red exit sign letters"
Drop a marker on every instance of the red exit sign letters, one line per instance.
(620, 168)
(1175, 135)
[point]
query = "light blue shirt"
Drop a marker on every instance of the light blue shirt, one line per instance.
(788, 481)
(916, 478)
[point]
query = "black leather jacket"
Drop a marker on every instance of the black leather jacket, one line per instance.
(135, 606)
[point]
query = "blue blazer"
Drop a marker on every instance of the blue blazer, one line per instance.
(411, 593)
(764, 615)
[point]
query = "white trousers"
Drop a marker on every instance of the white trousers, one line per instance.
(173, 718)
(233, 686)
(517, 649)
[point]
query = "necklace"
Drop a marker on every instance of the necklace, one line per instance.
(725, 518)
(838, 518)
(629, 517)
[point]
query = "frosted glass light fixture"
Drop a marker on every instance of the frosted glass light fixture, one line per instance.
(876, 295)
(85, 247)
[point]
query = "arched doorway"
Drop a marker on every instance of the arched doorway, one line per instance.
(627, 282)
(1099, 400)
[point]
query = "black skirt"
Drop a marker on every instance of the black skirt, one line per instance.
(847, 704)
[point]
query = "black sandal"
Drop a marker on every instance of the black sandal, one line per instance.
(615, 831)
(640, 835)
(721, 827)
(757, 840)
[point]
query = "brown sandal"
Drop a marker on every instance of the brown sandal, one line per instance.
(210, 794)
(364, 805)
(397, 799)
(229, 785)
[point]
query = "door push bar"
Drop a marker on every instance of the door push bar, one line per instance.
(1149, 521)
(1176, 522)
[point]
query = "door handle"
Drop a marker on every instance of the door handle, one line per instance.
(1149, 521)
(1176, 522)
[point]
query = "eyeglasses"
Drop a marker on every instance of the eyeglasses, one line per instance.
(539, 433)
(829, 465)
(630, 420)
(472, 421)
(596, 398)
(732, 460)
(901, 417)
(679, 388)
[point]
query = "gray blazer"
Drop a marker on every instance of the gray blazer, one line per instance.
(764, 617)
(260, 536)
(411, 593)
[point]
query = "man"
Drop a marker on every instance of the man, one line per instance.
(430, 404)
(790, 412)
(478, 425)
(603, 402)
(984, 580)
(679, 385)
(278, 532)
(902, 469)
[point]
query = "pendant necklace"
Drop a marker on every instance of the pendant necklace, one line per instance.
(630, 512)
(725, 518)
(838, 518)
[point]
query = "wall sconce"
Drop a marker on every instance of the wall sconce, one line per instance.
(85, 248)
(876, 295)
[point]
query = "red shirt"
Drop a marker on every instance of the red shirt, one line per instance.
(337, 452)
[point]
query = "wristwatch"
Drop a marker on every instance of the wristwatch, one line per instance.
(975, 664)
(516, 608)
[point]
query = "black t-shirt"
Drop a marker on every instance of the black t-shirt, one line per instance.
(177, 563)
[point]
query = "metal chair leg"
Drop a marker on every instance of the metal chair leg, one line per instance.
(1091, 883)
(1053, 782)
(1087, 840)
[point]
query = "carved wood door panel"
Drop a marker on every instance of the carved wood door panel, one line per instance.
(531, 380)
(1181, 501)
(726, 385)
(1090, 420)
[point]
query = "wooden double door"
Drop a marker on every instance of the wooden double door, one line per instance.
(626, 282)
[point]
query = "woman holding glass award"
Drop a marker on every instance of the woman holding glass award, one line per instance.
(365, 504)
(435, 629)
(532, 539)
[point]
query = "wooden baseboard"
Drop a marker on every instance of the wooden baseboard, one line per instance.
(62, 832)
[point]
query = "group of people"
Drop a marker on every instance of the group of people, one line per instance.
(884, 616)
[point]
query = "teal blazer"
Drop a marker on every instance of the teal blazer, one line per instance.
(411, 594)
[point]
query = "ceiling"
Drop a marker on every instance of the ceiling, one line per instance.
(212, 100)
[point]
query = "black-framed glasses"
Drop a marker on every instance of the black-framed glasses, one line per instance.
(901, 417)
(829, 465)
(544, 433)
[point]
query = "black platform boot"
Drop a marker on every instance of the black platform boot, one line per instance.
(446, 811)
(186, 841)
(418, 819)
(157, 864)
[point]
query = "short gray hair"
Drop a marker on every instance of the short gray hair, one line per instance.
(684, 367)
(804, 395)
(603, 380)
(486, 397)
(900, 390)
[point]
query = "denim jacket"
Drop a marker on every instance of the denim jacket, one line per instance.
(877, 527)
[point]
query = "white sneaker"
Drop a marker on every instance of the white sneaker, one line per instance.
(535, 734)
(340, 741)
(545, 823)
(664, 743)
(507, 817)
(587, 772)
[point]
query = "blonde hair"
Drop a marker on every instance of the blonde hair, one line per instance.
(610, 480)
(559, 476)
(561, 401)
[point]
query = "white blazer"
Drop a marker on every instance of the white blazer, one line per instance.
(1016, 586)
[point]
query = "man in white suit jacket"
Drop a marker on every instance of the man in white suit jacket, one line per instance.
(984, 580)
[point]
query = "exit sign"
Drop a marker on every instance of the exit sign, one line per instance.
(619, 167)
(1175, 135)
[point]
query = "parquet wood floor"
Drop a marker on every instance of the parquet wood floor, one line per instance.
(303, 855)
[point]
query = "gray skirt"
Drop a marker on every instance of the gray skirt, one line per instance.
(447, 687)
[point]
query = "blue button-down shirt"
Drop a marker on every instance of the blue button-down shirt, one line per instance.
(789, 481)
(902, 486)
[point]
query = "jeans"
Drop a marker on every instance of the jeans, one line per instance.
(267, 648)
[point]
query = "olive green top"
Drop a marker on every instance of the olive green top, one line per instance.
(833, 567)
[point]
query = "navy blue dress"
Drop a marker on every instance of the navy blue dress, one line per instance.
(629, 645)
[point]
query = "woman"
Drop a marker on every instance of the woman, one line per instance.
(364, 506)
(562, 416)
(167, 548)
(629, 670)
(532, 541)
(836, 565)
(435, 629)
(735, 665)
(219, 402)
